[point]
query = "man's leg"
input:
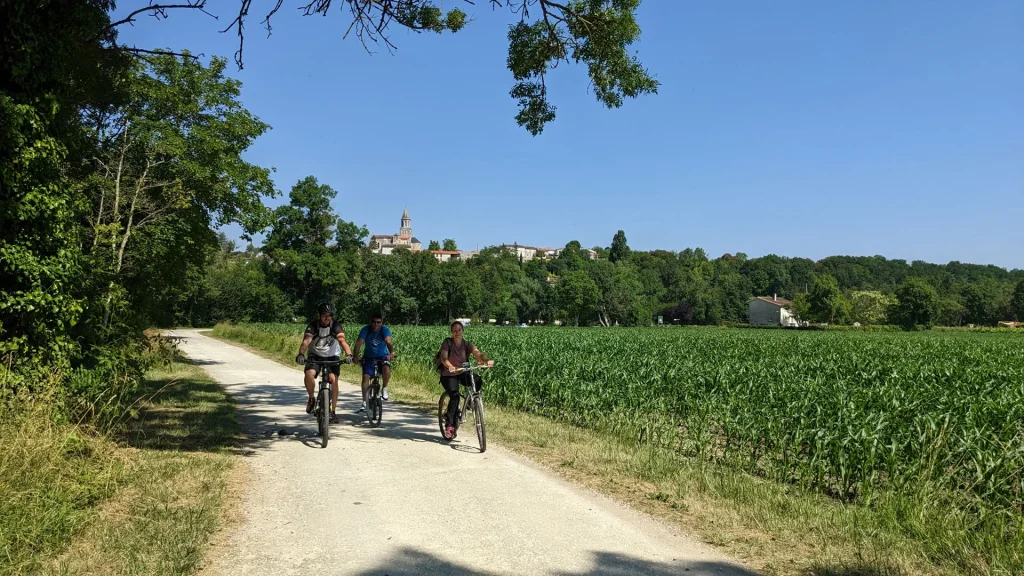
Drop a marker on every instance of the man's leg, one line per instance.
(366, 385)
(386, 373)
(334, 390)
(310, 382)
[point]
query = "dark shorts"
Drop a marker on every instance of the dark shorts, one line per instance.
(336, 369)
(368, 365)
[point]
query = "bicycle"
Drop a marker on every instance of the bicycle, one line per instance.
(473, 401)
(322, 410)
(374, 402)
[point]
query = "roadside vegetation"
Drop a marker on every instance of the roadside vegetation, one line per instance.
(139, 494)
(902, 451)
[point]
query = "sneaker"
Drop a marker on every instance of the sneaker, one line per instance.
(361, 408)
(385, 395)
(449, 432)
(334, 418)
(310, 404)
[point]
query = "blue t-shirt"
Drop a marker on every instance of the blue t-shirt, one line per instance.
(376, 347)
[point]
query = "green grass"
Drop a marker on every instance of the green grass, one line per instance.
(781, 527)
(143, 501)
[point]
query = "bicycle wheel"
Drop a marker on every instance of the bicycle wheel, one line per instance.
(374, 407)
(478, 416)
(324, 417)
(442, 410)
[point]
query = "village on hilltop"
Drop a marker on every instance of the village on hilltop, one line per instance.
(387, 243)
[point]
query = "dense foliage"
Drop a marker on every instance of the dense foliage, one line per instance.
(113, 169)
(937, 418)
(620, 286)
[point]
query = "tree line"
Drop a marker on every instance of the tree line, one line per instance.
(310, 254)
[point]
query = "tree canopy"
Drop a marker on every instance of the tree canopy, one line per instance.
(543, 34)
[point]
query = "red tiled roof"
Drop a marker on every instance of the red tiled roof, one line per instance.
(446, 252)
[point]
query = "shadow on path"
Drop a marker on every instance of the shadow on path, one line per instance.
(412, 562)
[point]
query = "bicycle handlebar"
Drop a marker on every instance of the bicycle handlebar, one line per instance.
(471, 368)
(326, 362)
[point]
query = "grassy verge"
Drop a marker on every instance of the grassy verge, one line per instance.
(776, 528)
(145, 500)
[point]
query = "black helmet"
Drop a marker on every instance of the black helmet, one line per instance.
(325, 308)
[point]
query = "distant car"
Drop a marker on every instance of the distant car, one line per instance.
(523, 325)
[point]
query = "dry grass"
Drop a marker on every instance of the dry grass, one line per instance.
(143, 502)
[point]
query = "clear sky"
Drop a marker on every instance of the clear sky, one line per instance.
(795, 128)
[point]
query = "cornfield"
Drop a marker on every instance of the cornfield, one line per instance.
(936, 415)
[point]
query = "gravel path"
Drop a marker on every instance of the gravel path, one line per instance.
(397, 501)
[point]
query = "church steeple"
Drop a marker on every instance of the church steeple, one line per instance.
(406, 229)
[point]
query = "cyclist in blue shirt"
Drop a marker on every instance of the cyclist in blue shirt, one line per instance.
(377, 338)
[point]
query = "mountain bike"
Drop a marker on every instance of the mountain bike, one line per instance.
(374, 402)
(322, 410)
(473, 402)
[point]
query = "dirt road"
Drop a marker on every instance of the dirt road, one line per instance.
(397, 501)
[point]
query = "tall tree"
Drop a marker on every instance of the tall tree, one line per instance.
(434, 245)
(171, 157)
(620, 249)
(55, 61)
(1017, 303)
(316, 253)
(449, 244)
(382, 289)
(916, 304)
(421, 281)
(577, 296)
(870, 306)
(769, 275)
(461, 290)
(826, 301)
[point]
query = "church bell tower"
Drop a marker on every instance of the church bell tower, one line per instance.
(406, 229)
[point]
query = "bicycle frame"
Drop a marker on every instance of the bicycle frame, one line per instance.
(466, 380)
(375, 380)
(325, 379)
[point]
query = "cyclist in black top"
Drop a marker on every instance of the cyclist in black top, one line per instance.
(328, 340)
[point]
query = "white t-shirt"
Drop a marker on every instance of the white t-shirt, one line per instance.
(325, 339)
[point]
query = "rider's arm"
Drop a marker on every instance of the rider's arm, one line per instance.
(344, 345)
(306, 339)
(444, 359)
(359, 344)
(481, 358)
(388, 342)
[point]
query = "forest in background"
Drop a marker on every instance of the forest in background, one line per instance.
(310, 254)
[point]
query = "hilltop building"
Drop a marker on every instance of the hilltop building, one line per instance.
(387, 243)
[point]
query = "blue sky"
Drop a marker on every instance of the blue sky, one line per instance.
(795, 128)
